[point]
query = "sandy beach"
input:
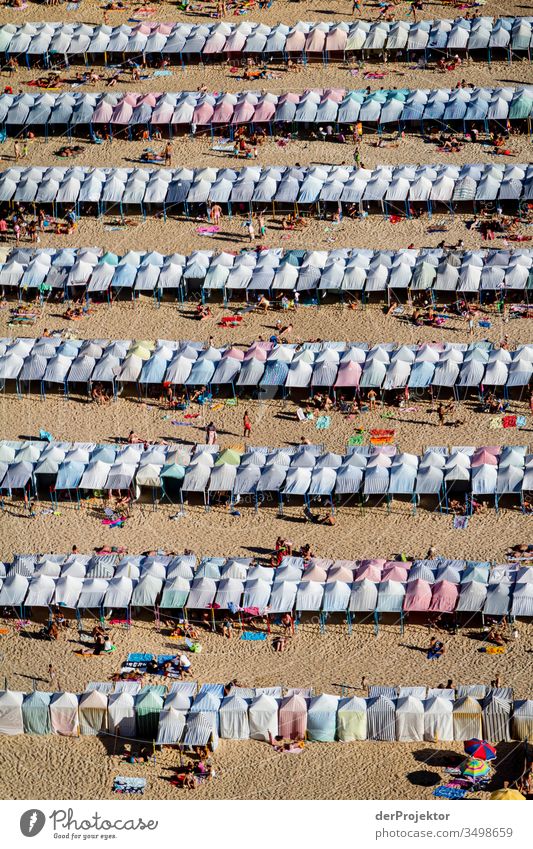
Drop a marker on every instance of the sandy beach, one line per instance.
(288, 11)
(55, 767)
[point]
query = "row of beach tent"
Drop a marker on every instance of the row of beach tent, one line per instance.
(139, 366)
(189, 43)
(78, 113)
(159, 190)
(349, 272)
(182, 716)
(290, 474)
(323, 586)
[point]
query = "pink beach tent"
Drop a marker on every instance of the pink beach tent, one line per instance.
(295, 41)
(370, 569)
(103, 113)
(293, 718)
(223, 111)
(264, 111)
(445, 595)
(203, 113)
(336, 40)
(394, 572)
(485, 457)
(122, 113)
(234, 354)
(349, 374)
(243, 113)
(417, 596)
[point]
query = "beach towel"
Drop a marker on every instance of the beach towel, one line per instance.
(484, 323)
(207, 230)
(253, 636)
(460, 523)
(323, 422)
(495, 424)
(444, 792)
(356, 439)
(43, 434)
(509, 421)
(126, 784)
(162, 73)
(521, 421)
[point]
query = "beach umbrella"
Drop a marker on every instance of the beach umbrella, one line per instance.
(507, 794)
(475, 768)
(479, 749)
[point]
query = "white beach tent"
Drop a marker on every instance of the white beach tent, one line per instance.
(438, 719)
(11, 713)
(409, 719)
(64, 714)
(233, 718)
(263, 717)
(92, 712)
(121, 714)
(351, 719)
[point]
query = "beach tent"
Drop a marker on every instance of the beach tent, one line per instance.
(409, 719)
(64, 714)
(523, 719)
(380, 718)
(293, 717)
(233, 718)
(472, 597)
(93, 713)
(496, 718)
(263, 717)
(13, 590)
(467, 716)
(121, 715)
(351, 719)
(36, 713)
(171, 726)
(148, 706)
(322, 718)
(438, 719)
(201, 730)
(11, 722)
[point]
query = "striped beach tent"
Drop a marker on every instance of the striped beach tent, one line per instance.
(467, 719)
(496, 718)
(381, 723)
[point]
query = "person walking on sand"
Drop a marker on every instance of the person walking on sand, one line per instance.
(247, 424)
(251, 231)
(216, 214)
(168, 154)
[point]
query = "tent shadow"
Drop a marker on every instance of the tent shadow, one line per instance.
(438, 757)
(423, 778)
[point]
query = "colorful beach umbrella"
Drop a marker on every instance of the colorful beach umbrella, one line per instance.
(480, 749)
(507, 794)
(475, 768)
